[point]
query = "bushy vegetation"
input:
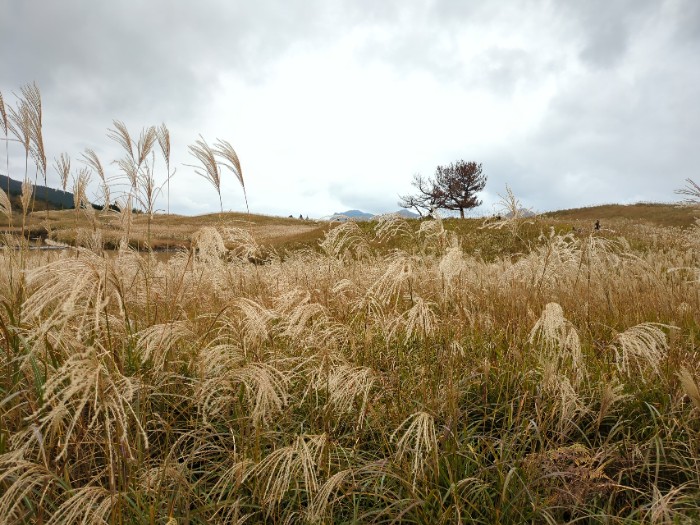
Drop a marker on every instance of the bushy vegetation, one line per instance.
(395, 374)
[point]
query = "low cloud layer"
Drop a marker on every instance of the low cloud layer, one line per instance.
(336, 104)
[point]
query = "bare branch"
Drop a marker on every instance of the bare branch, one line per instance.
(691, 190)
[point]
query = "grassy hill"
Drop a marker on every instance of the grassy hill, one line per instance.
(650, 212)
(285, 234)
(167, 231)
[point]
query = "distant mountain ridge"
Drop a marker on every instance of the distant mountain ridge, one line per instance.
(359, 215)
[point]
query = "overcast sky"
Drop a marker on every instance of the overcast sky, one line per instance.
(335, 104)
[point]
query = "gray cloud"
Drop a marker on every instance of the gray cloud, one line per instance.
(141, 62)
(686, 13)
(608, 138)
(503, 70)
(605, 28)
(153, 57)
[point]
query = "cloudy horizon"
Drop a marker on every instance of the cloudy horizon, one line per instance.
(335, 105)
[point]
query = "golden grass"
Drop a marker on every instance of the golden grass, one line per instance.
(644, 212)
(168, 231)
(393, 373)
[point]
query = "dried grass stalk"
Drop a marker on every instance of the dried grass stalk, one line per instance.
(25, 484)
(121, 136)
(559, 339)
(90, 504)
(147, 139)
(163, 137)
(62, 167)
(392, 226)
(20, 125)
(26, 197)
(5, 204)
(689, 385)
(345, 240)
(225, 151)
(209, 168)
(4, 123)
(295, 466)
(419, 442)
(32, 95)
(90, 158)
(640, 348)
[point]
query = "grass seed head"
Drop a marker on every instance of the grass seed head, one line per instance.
(26, 197)
(689, 385)
(558, 339)
(3, 116)
(209, 167)
(5, 204)
(641, 348)
(122, 137)
(418, 442)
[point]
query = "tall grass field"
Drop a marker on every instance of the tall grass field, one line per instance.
(389, 376)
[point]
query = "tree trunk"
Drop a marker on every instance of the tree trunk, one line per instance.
(461, 213)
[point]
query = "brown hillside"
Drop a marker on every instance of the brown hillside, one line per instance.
(654, 213)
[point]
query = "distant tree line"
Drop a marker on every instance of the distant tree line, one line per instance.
(59, 199)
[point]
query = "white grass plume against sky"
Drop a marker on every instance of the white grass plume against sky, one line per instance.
(334, 104)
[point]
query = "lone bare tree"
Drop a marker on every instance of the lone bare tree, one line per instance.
(427, 200)
(454, 187)
(459, 184)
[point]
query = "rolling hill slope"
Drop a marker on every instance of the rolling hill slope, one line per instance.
(654, 213)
